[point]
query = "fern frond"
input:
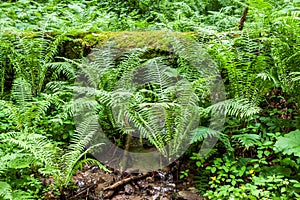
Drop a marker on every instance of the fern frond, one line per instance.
(17, 160)
(36, 111)
(51, 47)
(157, 73)
(247, 140)
(62, 67)
(202, 132)
(86, 99)
(38, 145)
(89, 92)
(235, 107)
(84, 133)
(270, 77)
(88, 162)
(295, 76)
(58, 86)
(97, 64)
(81, 144)
(21, 92)
(5, 191)
(127, 68)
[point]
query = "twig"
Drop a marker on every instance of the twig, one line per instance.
(243, 18)
(126, 180)
(81, 192)
(87, 194)
(112, 187)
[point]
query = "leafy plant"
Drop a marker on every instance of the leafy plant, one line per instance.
(289, 143)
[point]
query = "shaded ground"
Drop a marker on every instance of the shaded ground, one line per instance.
(94, 183)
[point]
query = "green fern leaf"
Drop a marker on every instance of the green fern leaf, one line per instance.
(201, 133)
(247, 140)
(21, 91)
(5, 191)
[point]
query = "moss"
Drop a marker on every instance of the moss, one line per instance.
(161, 42)
(78, 44)
(151, 39)
(93, 39)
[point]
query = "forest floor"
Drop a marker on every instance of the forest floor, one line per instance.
(94, 183)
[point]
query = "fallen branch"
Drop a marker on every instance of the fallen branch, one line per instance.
(126, 180)
(112, 187)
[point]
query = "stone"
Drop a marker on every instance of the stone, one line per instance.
(188, 195)
(128, 189)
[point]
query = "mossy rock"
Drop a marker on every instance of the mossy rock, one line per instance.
(151, 39)
(80, 44)
(161, 41)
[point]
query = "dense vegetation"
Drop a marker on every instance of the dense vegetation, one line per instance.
(44, 47)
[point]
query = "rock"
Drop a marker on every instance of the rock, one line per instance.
(132, 171)
(128, 189)
(188, 195)
(164, 198)
(193, 189)
(99, 189)
(150, 179)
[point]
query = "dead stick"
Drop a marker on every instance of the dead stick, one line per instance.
(243, 19)
(81, 192)
(87, 194)
(126, 180)
(111, 188)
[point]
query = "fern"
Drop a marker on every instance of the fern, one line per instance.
(200, 133)
(150, 118)
(209, 137)
(30, 151)
(37, 145)
(25, 111)
(296, 76)
(88, 162)
(81, 145)
(247, 140)
(32, 57)
(168, 116)
(7, 193)
(97, 64)
(5, 190)
(62, 67)
(21, 91)
(241, 108)
(30, 148)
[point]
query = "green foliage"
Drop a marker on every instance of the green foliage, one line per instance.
(247, 140)
(184, 174)
(26, 148)
(238, 107)
(257, 157)
(230, 178)
(289, 143)
(77, 149)
(5, 191)
(149, 94)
